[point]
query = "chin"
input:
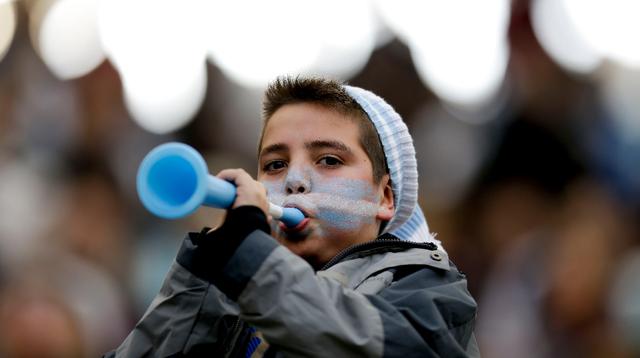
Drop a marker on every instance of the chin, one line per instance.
(314, 260)
(308, 248)
(316, 264)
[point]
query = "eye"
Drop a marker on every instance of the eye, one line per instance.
(330, 161)
(274, 166)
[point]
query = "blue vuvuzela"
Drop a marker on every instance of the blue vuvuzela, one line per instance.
(173, 181)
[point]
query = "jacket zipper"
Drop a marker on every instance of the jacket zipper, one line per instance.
(232, 342)
(384, 241)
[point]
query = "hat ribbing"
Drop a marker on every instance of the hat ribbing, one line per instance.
(408, 222)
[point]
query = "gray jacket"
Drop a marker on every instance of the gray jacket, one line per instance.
(386, 298)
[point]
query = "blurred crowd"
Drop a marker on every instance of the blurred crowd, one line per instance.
(536, 197)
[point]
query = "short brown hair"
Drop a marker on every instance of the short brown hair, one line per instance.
(330, 94)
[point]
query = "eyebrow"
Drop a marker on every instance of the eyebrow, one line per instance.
(274, 148)
(331, 144)
(316, 144)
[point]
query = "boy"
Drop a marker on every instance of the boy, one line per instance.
(360, 276)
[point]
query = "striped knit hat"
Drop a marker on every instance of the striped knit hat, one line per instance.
(409, 222)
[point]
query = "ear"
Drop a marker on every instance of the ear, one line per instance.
(386, 208)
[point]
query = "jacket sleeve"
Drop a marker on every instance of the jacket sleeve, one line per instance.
(189, 316)
(428, 311)
(425, 313)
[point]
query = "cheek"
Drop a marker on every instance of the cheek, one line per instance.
(275, 190)
(346, 215)
(346, 204)
(348, 189)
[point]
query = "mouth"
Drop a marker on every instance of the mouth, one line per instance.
(300, 231)
(296, 232)
(296, 229)
(304, 211)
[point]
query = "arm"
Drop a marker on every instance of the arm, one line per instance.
(188, 316)
(425, 312)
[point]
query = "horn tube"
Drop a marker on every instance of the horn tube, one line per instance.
(173, 181)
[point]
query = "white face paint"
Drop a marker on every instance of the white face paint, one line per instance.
(339, 204)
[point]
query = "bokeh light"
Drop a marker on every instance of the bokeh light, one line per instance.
(18, 225)
(459, 47)
(346, 45)
(163, 101)
(253, 47)
(66, 36)
(161, 61)
(556, 32)
(7, 26)
(610, 27)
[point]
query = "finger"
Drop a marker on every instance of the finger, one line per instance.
(233, 175)
(262, 187)
(228, 174)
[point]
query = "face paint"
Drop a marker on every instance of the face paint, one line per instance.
(296, 179)
(344, 214)
(339, 204)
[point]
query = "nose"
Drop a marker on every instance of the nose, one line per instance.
(301, 188)
(297, 183)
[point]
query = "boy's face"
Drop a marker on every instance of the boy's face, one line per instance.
(311, 158)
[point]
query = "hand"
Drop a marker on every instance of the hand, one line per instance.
(248, 191)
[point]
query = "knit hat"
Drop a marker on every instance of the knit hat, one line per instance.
(408, 222)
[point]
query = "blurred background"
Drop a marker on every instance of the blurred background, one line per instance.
(525, 116)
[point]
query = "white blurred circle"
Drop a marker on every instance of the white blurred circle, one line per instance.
(162, 100)
(136, 33)
(159, 50)
(403, 17)
(7, 26)
(28, 202)
(459, 47)
(254, 41)
(67, 37)
(345, 45)
(611, 27)
(470, 77)
(558, 36)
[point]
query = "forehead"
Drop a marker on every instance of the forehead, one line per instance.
(310, 121)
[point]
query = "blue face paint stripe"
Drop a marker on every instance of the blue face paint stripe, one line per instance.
(340, 204)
